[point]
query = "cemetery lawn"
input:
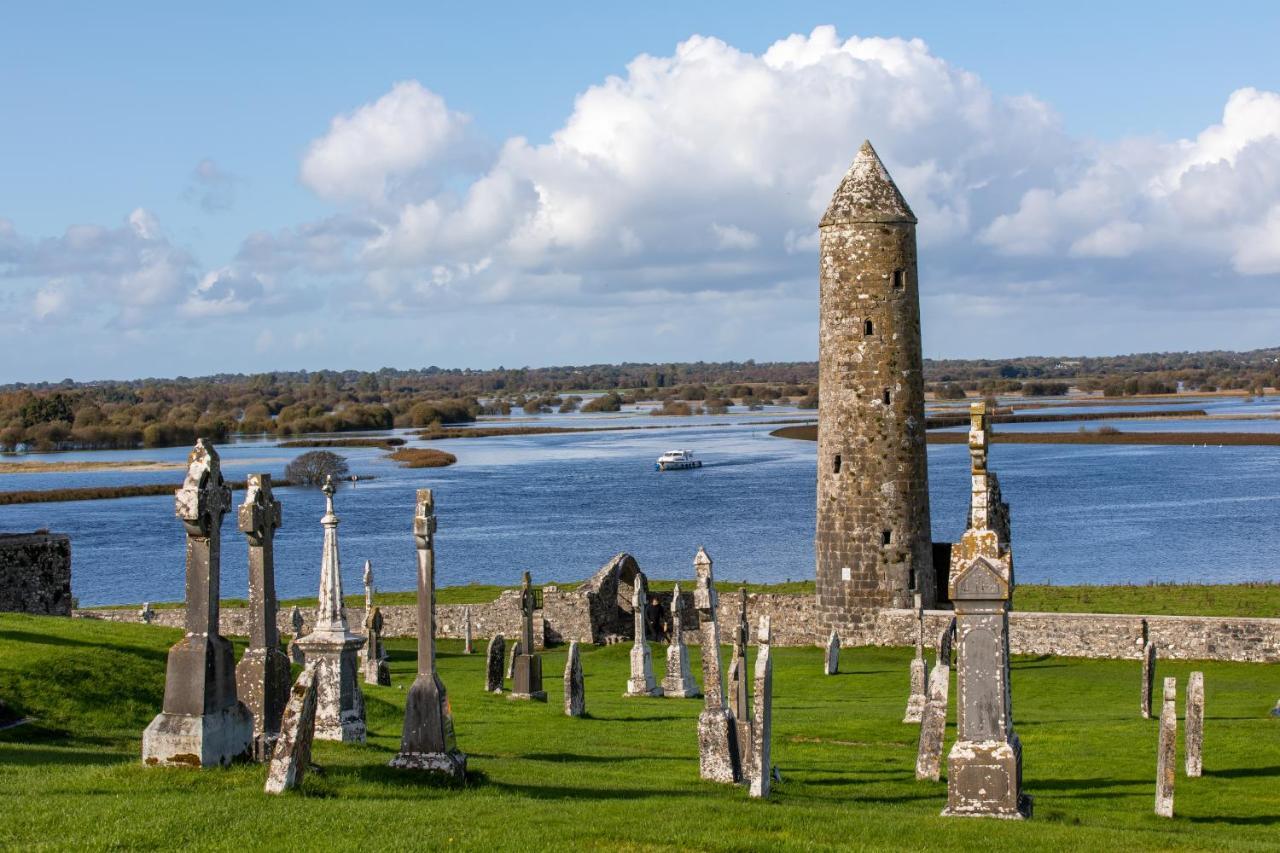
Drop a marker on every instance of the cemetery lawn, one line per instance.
(627, 777)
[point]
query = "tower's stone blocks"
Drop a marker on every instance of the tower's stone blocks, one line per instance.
(873, 540)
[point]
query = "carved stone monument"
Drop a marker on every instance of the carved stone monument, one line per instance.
(332, 646)
(493, 664)
(291, 755)
(641, 682)
(1167, 751)
(467, 645)
(984, 768)
(919, 695)
(367, 577)
(1193, 719)
(933, 723)
(832, 663)
(1148, 672)
(146, 614)
(428, 741)
(203, 723)
(375, 667)
(679, 682)
(295, 651)
(526, 680)
(575, 699)
(739, 704)
(263, 675)
(761, 774)
(511, 662)
(717, 730)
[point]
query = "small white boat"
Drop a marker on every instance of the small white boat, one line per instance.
(676, 460)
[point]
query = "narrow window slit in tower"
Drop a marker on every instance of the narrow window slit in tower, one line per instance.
(899, 277)
(836, 466)
(886, 537)
(869, 329)
(887, 398)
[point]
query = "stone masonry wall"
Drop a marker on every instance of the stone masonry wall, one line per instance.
(35, 573)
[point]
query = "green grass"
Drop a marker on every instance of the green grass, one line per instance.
(627, 777)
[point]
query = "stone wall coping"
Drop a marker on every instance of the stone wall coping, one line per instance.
(901, 612)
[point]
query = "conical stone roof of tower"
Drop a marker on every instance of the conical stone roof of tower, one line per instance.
(867, 194)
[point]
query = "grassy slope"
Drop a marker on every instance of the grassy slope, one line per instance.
(627, 777)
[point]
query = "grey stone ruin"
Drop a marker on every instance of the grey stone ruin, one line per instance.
(761, 772)
(295, 651)
(146, 614)
(679, 682)
(292, 753)
(717, 730)
(575, 698)
(1148, 672)
(263, 675)
(919, 697)
(1193, 720)
(933, 722)
(641, 682)
(511, 661)
(468, 646)
(526, 679)
(375, 666)
(332, 646)
(831, 665)
(493, 664)
(203, 723)
(1167, 751)
(428, 741)
(984, 767)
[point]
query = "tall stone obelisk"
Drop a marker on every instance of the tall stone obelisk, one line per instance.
(526, 667)
(333, 647)
(428, 741)
(718, 758)
(203, 723)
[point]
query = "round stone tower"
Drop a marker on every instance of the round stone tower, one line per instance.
(874, 547)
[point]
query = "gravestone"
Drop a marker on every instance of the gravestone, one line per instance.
(984, 767)
(933, 724)
(832, 663)
(367, 577)
(739, 704)
(762, 722)
(946, 640)
(1167, 751)
(291, 755)
(295, 651)
(679, 682)
(263, 674)
(467, 645)
(146, 614)
(1193, 719)
(1148, 673)
(203, 723)
(332, 646)
(575, 699)
(717, 731)
(376, 670)
(493, 664)
(641, 682)
(918, 697)
(511, 663)
(428, 741)
(526, 680)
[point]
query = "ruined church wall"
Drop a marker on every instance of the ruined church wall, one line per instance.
(35, 573)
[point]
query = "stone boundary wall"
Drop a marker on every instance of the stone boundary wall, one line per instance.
(35, 573)
(566, 616)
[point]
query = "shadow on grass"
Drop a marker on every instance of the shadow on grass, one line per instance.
(1244, 772)
(1090, 784)
(17, 754)
(48, 640)
(575, 758)
(1259, 820)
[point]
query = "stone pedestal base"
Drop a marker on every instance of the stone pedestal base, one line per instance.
(718, 747)
(642, 682)
(679, 683)
(453, 764)
(208, 740)
(984, 779)
(526, 678)
(339, 700)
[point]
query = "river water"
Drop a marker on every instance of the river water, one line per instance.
(561, 505)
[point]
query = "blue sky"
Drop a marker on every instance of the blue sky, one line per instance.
(195, 191)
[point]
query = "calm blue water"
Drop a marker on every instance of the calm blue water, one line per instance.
(561, 505)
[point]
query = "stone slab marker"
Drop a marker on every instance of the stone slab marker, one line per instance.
(291, 754)
(526, 680)
(1167, 754)
(984, 767)
(203, 723)
(428, 741)
(493, 664)
(679, 682)
(918, 697)
(1193, 719)
(295, 651)
(467, 646)
(332, 646)
(367, 577)
(575, 698)
(146, 614)
(761, 774)
(933, 724)
(376, 670)
(511, 663)
(1148, 673)
(739, 703)
(641, 682)
(717, 731)
(263, 675)
(832, 663)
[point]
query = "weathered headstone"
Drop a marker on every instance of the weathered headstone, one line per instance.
(832, 663)
(428, 741)
(946, 640)
(526, 680)
(511, 662)
(575, 698)
(493, 664)
(295, 651)
(739, 703)
(263, 675)
(1148, 672)
(933, 724)
(679, 682)
(367, 577)
(984, 767)
(1167, 754)
(146, 614)
(332, 646)
(467, 645)
(376, 670)
(918, 697)
(641, 682)
(203, 723)
(291, 754)
(762, 722)
(1193, 719)
(717, 731)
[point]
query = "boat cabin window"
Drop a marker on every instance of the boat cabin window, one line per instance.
(835, 467)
